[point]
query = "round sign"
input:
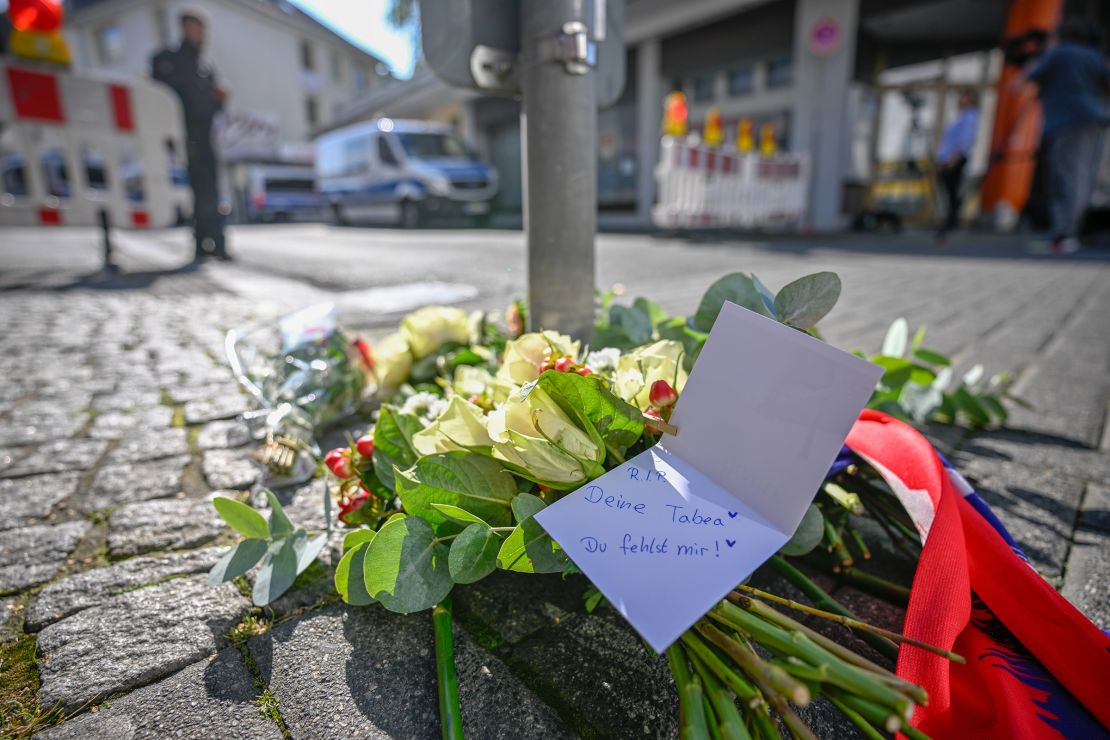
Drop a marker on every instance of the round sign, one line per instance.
(825, 37)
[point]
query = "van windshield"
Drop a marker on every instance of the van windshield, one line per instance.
(432, 146)
(290, 185)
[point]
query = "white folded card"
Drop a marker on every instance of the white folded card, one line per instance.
(667, 534)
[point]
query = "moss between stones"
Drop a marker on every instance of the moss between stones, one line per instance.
(20, 713)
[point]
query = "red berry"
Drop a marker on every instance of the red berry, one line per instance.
(564, 364)
(662, 395)
(350, 504)
(363, 348)
(653, 414)
(339, 462)
(365, 445)
(584, 371)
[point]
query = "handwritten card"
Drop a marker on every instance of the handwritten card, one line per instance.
(667, 534)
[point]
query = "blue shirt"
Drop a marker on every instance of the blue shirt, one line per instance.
(959, 136)
(1072, 79)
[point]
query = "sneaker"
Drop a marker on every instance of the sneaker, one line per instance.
(1069, 245)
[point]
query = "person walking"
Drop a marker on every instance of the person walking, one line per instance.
(1072, 80)
(955, 150)
(201, 98)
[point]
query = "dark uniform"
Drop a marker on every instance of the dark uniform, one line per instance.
(195, 83)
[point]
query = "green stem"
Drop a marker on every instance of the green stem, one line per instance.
(730, 725)
(857, 719)
(748, 694)
(450, 713)
(818, 596)
(691, 713)
(872, 584)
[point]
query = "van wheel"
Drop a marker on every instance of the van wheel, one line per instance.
(338, 217)
(410, 215)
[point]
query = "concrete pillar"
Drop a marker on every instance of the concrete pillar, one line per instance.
(820, 124)
(649, 122)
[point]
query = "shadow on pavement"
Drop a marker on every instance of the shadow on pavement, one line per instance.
(102, 279)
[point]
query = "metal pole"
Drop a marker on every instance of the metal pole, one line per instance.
(106, 233)
(559, 142)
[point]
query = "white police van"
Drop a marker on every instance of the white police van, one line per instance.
(401, 172)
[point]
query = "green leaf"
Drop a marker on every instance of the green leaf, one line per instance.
(922, 375)
(735, 287)
(587, 398)
(918, 338)
(680, 330)
(766, 294)
(528, 548)
(242, 518)
(455, 514)
(656, 315)
(808, 534)
(279, 522)
(995, 408)
(898, 371)
(237, 561)
(973, 376)
(473, 554)
(464, 479)
(931, 357)
(969, 404)
(357, 537)
(307, 550)
(393, 443)
(406, 568)
(349, 576)
(894, 344)
(634, 323)
(277, 573)
(805, 301)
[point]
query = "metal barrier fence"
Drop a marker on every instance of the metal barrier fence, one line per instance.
(700, 188)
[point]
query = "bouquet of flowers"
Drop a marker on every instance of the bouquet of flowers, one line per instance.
(481, 426)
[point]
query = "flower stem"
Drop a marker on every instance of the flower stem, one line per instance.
(892, 592)
(750, 696)
(857, 719)
(730, 725)
(847, 622)
(450, 713)
(691, 713)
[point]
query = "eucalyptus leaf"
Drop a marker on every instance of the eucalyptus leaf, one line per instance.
(526, 505)
(277, 573)
(456, 514)
(933, 358)
(634, 323)
(894, 344)
(473, 554)
(618, 423)
(969, 404)
(393, 443)
(279, 522)
(898, 371)
(735, 287)
(406, 568)
(766, 294)
(242, 518)
(994, 407)
(808, 299)
(349, 576)
(237, 561)
(808, 534)
(307, 550)
(464, 479)
(528, 548)
(652, 310)
(357, 537)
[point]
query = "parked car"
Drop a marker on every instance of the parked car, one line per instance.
(402, 172)
(282, 193)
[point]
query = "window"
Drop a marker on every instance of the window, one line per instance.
(11, 165)
(336, 67)
(432, 146)
(385, 153)
(703, 88)
(54, 171)
(780, 73)
(96, 169)
(311, 111)
(356, 155)
(741, 80)
(307, 61)
(110, 44)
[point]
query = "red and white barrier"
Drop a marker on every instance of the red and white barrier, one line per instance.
(700, 188)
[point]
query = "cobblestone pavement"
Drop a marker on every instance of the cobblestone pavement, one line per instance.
(119, 419)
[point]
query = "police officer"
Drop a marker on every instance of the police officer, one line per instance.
(195, 83)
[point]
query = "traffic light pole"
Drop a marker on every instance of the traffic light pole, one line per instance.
(559, 142)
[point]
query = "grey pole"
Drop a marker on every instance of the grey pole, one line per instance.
(559, 125)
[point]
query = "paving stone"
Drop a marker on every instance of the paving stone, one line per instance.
(68, 403)
(185, 393)
(505, 608)
(32, 555)
(52, 457)
(223, 434)
(96, 586)
(372, 674)
(1043, 452)
(37, 429)
(123, 484)
(117, 424)
(225, 406)
(229, 469)
(1063, 405)
(127, 401)
(152, 445)
(134, 639)
(1087, 580)
(208, 699)
(602, 676)
(1038, 508)
(25, 501)
(171, 524)
(1095, 512)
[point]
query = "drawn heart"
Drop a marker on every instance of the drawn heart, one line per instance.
(730, 543)
(732, 515)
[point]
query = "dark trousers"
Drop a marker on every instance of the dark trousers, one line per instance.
(951, 178)
(208, 224)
